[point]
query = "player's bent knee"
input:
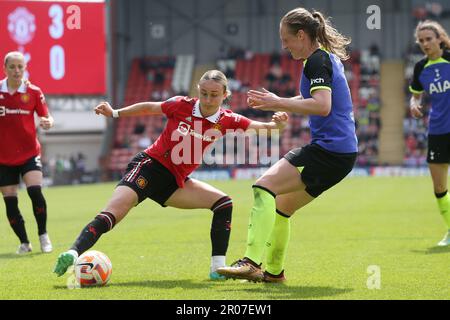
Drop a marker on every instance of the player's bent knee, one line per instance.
(264, 182)
(222, 203)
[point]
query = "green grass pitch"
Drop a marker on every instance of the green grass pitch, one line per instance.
(164, 253)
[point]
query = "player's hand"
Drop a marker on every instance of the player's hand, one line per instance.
(280, 119)
(46, 122)
(416, 111)
(104, 108)
(262, 100)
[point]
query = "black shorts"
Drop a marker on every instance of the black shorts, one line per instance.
(149, 179)
(320, 169)
(438, 148)
(10, 175)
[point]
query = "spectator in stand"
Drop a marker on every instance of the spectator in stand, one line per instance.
(139, 128)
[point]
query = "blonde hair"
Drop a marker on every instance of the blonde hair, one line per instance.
(12, 54)
(438, 30)
(218, 77)
(318, 28)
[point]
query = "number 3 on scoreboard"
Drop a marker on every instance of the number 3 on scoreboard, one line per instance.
(56, 30)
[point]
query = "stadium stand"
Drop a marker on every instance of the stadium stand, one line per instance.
(363, 74)
(415, 130)
(157, 78)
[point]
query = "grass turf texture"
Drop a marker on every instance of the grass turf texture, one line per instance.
(160, 253)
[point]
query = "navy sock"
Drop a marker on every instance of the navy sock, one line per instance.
(221, 226)
(39, 208)
(101, 224)
(15, 218)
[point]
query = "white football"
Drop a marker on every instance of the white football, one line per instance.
(93, 268)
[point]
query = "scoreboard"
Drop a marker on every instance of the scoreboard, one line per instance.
(63, 43)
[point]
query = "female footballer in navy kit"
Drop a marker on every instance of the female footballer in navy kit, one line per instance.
(304, 173)
(432, 75)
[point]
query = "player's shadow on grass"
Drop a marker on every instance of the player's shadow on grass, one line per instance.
(160, 284)
(164, 284)
(280, 291)
(12, 255)
(433, 250)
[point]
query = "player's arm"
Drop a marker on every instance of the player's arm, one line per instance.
(137, 109)
(299, 97)
(319, 70)
(279, 122)
(319, 104)
(415, 105)
(417, 90)
(45, 118)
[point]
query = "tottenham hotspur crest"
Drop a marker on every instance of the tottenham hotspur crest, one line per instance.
(437, 77)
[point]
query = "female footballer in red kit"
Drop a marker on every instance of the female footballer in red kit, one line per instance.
(158, 174)
(20, 150)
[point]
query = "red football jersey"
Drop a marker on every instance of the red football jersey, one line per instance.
(18, 141)
(187, 134)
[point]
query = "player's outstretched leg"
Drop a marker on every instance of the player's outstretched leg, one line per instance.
(102, 223)
(123, 199)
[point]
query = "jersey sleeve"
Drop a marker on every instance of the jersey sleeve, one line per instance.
(41, 104)
(238, 121)
(416, 86)
(170, 106)
(319, 71)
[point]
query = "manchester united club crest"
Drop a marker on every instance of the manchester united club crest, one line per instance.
(25, 97)
(21, 26)
(141, 182)
(217, 126)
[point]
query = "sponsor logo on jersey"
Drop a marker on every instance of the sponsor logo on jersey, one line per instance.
(4, 111)
(317, 81)
(439, 87)
(183, 128)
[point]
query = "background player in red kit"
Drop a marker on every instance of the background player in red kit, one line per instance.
(161, 171)
(20, 150)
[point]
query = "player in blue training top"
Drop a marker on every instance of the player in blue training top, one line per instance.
(432, 75)
(304, 173)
